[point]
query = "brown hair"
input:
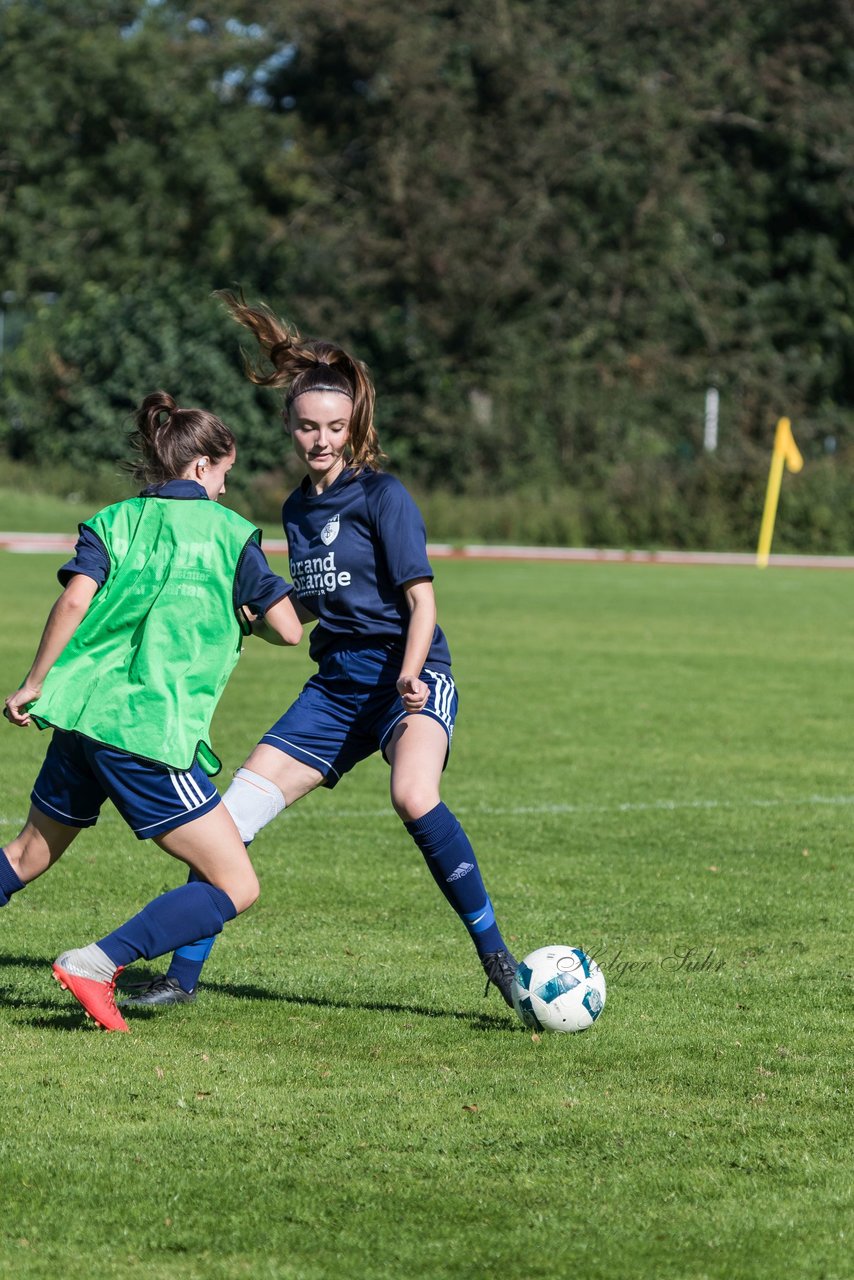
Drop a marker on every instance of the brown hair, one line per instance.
(168, 439)
(300, 364)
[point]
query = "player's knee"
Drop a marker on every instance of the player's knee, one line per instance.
(412, 799)
(245, 891)
(253, 801)
(14, 852)
(30, 854)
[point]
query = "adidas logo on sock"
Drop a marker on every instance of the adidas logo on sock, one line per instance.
(462, 870)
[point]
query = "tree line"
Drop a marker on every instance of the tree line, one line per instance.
(548, 228)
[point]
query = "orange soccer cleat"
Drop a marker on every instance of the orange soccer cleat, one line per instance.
(96, 994)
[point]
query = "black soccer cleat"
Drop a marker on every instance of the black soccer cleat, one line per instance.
(158, 993)
(499, 967)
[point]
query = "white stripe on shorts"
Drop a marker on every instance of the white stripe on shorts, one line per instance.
(442, 696)
(188, 790)
(194, 787)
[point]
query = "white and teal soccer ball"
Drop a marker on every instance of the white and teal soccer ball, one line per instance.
(558, 989)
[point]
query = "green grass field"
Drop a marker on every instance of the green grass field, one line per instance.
(654, 763)
(27, 510)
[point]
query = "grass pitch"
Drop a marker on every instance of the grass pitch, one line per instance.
(653, 763)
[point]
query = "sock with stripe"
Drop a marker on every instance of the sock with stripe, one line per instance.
(181, 916)
(187, 962)
(453, 865)
(253, 802)
(10, 882)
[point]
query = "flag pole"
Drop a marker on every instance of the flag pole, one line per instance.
(786, 453)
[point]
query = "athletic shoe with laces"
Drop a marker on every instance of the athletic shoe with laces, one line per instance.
(158, 992)
(499, 967)
(96, 994)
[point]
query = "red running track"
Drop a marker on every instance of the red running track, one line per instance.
(59, 543)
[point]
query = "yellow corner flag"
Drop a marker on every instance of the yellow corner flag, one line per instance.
(785, 452)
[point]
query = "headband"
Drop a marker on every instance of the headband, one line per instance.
(320, 386)
(297, 390)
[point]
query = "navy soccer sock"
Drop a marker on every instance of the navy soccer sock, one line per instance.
(187, 962)
(10, 882)
(453, 865)
(183, 915)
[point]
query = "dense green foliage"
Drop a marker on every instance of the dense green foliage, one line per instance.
(341, 1101)
(547, 227)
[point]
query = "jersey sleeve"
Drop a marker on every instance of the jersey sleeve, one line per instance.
(258, 587)
(402, 534)
(90, 558)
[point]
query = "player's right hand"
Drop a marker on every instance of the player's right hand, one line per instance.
(413, 693)
(17, 704)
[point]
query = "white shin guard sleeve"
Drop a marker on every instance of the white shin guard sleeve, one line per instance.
(253, 802)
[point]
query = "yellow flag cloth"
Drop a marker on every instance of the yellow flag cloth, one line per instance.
(784, 442)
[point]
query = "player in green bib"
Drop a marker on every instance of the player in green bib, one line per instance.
(145, 668)
(133, 659)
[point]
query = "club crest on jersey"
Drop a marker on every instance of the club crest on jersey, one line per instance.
(329, 532)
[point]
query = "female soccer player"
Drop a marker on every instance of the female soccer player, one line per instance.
(359, 566)
(133, 659)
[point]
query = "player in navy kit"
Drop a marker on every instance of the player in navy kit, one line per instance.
(359, 566)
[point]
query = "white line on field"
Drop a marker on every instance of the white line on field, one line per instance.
(553, 810)
(547, 810)
(556, 810)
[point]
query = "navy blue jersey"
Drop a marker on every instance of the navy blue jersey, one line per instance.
(352, 548)
(257, 587)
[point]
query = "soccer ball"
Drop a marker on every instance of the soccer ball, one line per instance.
(558, 989)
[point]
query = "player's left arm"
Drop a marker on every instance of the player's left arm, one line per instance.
(265, 600)
(419, 637)
(280, 623)
(303, 615)
(63, 620)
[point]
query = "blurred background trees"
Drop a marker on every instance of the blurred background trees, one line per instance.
(547, 227)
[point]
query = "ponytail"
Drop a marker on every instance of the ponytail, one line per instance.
(288, 361)
(168, 439)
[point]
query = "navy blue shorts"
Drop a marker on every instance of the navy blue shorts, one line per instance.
(78, 775)
(350, 708)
